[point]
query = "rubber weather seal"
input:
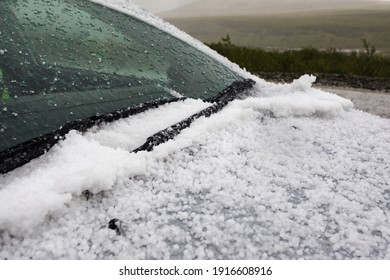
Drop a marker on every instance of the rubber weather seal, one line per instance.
(23, 153)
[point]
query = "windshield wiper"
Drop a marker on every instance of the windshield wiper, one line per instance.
(219, 101)
(23, 153)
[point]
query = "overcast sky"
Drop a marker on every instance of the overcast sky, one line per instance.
(162, 5)
(157, 6)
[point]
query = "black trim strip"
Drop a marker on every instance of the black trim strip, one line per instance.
(23, 153)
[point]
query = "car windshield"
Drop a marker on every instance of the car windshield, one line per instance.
(66, 60)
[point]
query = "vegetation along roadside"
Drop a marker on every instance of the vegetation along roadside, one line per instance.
(360, 69)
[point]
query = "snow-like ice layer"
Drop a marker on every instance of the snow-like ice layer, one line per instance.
(297, 99)
(94, 162)
(71, 167)
(286, 172)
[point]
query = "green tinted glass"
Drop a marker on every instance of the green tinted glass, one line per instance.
(64, 60)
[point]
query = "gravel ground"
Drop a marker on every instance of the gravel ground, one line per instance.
(376, 103)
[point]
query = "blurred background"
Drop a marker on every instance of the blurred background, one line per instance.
(345, 43)
(281, 24)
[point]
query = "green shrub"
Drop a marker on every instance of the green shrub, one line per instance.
(307, 60)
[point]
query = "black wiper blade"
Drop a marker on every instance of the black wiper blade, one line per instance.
(220, 101)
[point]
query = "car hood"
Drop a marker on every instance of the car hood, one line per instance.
(285, 171)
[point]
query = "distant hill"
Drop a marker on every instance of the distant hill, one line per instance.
(323, 29)
(214, 8)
